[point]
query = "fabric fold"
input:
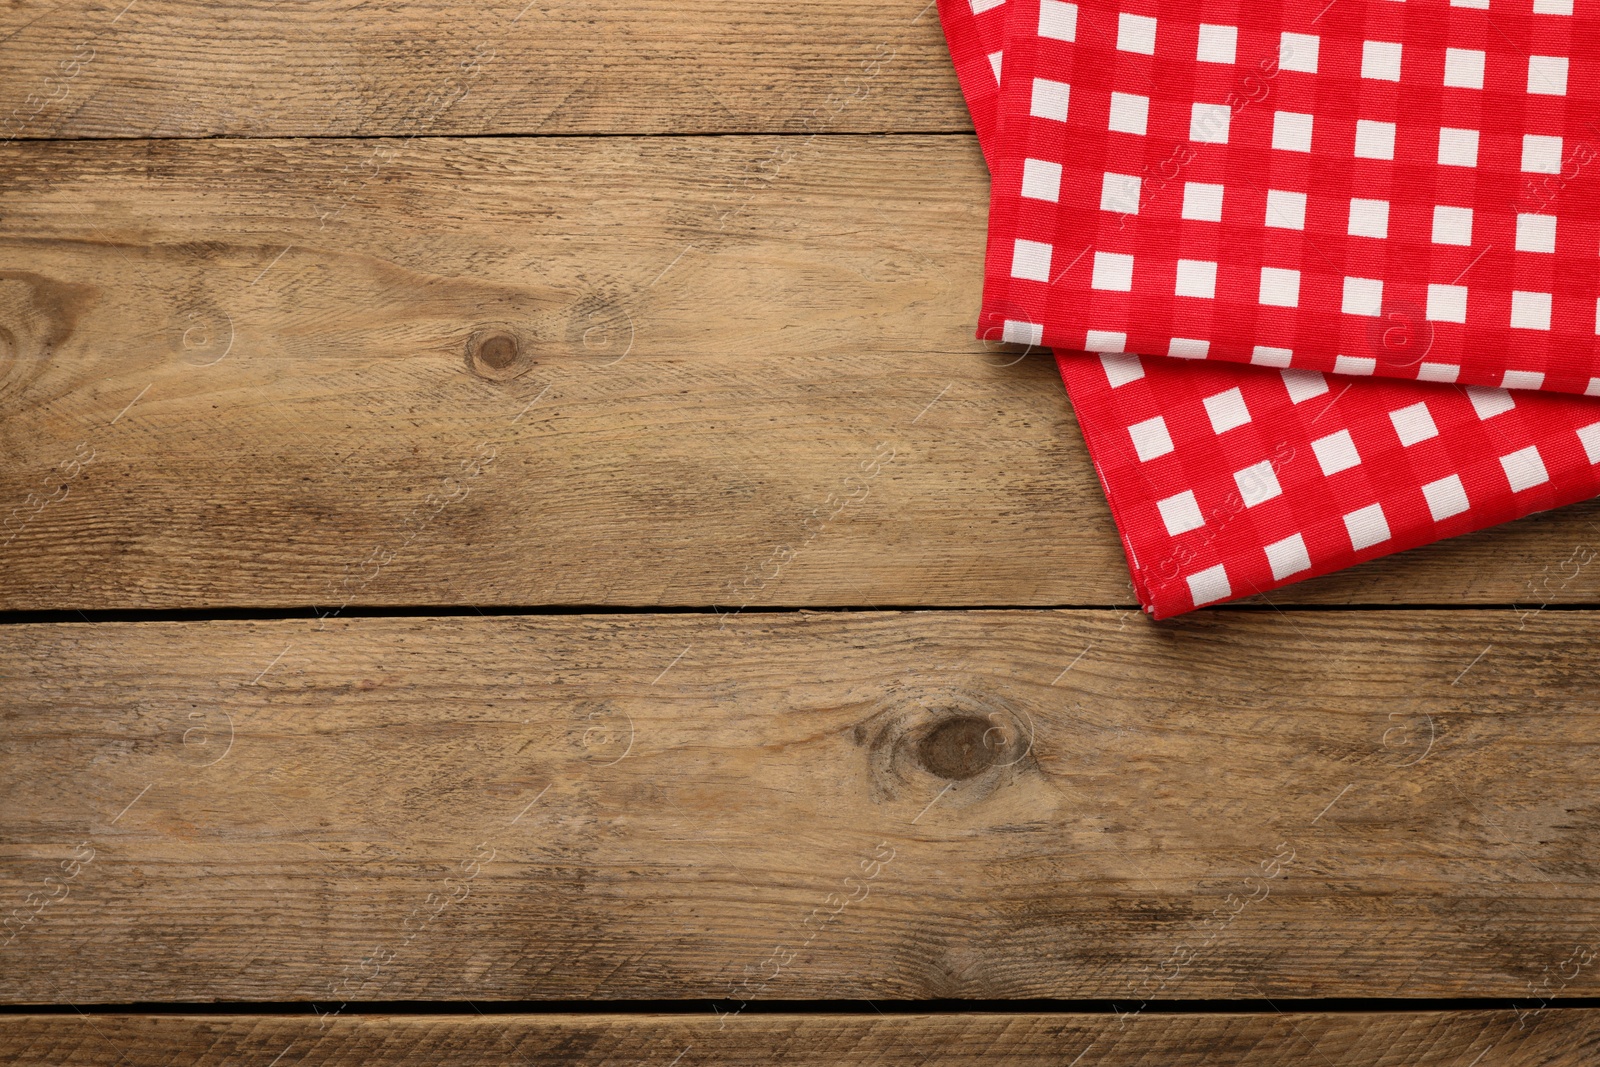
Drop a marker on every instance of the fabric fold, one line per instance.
(1228, 480)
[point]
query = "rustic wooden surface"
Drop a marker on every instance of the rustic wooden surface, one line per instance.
(840, 805)
(1433, 1039)
(243, 379)
(441, 321)
(256, 68)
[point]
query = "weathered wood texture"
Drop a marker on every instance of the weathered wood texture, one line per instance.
(1567, 1038)
(237, 373)
(162, 68)
(801, 805)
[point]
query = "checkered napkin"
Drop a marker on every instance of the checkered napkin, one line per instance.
(1229, 480)
(1283, 183)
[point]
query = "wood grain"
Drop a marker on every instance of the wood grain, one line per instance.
(1568, 1038)
(251, 375)
(161, 68)
(800, 805)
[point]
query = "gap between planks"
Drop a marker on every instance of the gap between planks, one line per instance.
(1273, 1039)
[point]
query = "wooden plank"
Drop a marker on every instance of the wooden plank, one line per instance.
(163, 68)
(1568, 1038)
(746, 378)
(799, 805)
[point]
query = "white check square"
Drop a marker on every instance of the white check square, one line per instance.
(1121, 369)
(1209, 123)
(1547, 75)
(1590, 438)
(1105, 341)
(1524, 469)
(1017, 332)
(1458, 148)
(1336, 452)
(1136, 33)
(1363, 296)
(1298, 52)
(1286, 210)
(1209, 586)
(1196, 278)
(1180, 513)
(1447, 303)
(1041, 180)
(1291, 131)
(1113, 272)
(1226, 410)
(1446, 498)
(1217, 44)
(1367, 527)
(1463, 68)
(1150, 439)
(1058, 21)
(1202, 202)
(1120, 193)
(1288, 556)
(1130, 113)
(1380, 60)
(1031, 260)
(1536, 233)
(1530, 311)
(1489, 402)
(1049, 100)
(1374, 140)
(1452, 225)
(1258, 483)
(1304, 385)
(1414, 424)
(1279, 287)
(1541, 154)
(1369, 218)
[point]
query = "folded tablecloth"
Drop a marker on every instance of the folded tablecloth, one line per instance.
(1224, 479)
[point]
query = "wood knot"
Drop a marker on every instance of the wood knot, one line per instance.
(959, 748)
(496, 353)
(952, 733)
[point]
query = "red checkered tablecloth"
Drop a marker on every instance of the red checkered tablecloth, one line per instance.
(1228, 480)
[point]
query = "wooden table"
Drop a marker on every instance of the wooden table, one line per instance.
(511, 555)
